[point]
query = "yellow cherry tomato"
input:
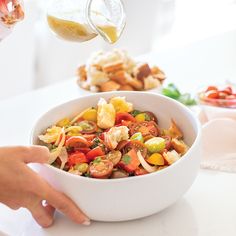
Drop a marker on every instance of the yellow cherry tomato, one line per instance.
(82, 167)
(156, 144)
(64, 122)
(156, 159)
(90, 115)
(140, 117)
(137, 136)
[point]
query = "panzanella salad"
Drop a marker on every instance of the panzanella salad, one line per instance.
(113, 140)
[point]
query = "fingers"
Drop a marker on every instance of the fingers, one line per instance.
(37, 154)
(66, 206)
(43, 214)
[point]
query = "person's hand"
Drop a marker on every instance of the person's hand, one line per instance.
(20, 186)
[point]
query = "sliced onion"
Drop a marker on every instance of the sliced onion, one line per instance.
(63, 157)
(79, 115)
(171, 156)
(145, 165)
(55, 153)
(75, 127)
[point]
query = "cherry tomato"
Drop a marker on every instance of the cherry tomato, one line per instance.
(96, 152)
(114, 156)
(83, 150)
(210, 88)
(137, 146)
(101, 136)
(168, 142)
(212, 94)
(125, 123)
(146, 128)
(121, 144)
(77, 142)
(151, 116)
(147, 137)
(89, 137)
(101, 169)
(88, 127)
(76, 157)
(228, 90)
(124, 116)
(129, 162)
(140, 171)
(117, 174)
(222, 95)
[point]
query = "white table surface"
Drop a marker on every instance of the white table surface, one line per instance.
(208, 208)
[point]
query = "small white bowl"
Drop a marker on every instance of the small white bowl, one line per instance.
(219, 110)
(213, 112)
(87, 92)
(133, 197)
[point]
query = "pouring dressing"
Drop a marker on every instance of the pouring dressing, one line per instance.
(80, 20)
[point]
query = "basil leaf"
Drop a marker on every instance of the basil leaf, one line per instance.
(126, 159)
(187, 100)
(97, 160)
(135, 113)
(147, 117)
(171, 91)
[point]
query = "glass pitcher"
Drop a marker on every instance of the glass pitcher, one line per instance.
(82, 20)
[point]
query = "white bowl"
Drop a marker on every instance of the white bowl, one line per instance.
(88, 92)
(213, 112)
(133, 197)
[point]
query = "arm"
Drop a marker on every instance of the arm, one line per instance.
(22, 187)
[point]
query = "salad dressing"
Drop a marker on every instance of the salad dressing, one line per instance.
(73, 26)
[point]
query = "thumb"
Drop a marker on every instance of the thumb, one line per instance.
(36, 154)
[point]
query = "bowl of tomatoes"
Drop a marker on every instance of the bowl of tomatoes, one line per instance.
(218, 101)
(112, 153)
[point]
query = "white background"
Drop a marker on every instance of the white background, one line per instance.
(32, 57)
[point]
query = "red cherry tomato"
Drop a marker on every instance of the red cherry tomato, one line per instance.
(101, 136)
(168, 142)
(210, 88)
(77, 142)
(151, 116)
(135, 145)
(140, 171)
(124, 116)
(89, 137)
(145, 127)
(228, 90)
(121, 144)
(125, 123)
(101, 169)
(222, 95)
(129, 162)
(96, 152)
(76, 158)
(212, 94)
(83, 150)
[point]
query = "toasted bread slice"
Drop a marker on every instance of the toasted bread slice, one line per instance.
(136, 84)
(179, 146)
(120, 77)
(82, 73)
(109, 86)
(113, 67)
(142, 71)
(150, 83)
(126, 88)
